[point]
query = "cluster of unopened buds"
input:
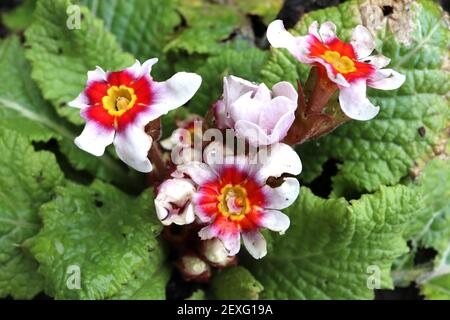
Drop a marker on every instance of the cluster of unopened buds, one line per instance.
(228, 176)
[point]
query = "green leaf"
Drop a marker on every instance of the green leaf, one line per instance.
(430, 227)
(384, 150)
(236, 283)
(148, 282)
(141, 27)
(27, 180)
(107, 234)
(437, 288)
(62, 52)
(197, 295)
(19, 18)
(207, 24)
(23, 109)
(333, 249)
(267, 10)
(435, 285)
(244, 63)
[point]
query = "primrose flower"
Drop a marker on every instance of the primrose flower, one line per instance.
(348, 65)
(261, 116)
(193, 268)
(233, 196)
(118, 105)
(173, 202)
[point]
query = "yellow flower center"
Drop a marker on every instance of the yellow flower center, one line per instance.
(233, 202)
(342, 64)
(119, 100)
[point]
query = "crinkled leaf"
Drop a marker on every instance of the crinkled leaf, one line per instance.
(236, 283)
(27, 180)
(430, 228)
(245, 63)
(107, 234)
(267, 10)
(149, 281)
(19, 18)
(385, 149)
(332, 248)
(437, 288)
(141, 27)
(435, 285)
(61, 52)
(207, 24)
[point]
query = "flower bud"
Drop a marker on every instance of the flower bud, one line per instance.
(193, 268)
(216, 254)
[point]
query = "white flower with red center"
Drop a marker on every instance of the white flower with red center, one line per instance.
(173, 202)
(348, 65)
(118, 105)
(257, 114)
(233, 195)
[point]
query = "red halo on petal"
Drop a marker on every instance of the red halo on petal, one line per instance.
(206, 199)
(317, 49)
(96, 90)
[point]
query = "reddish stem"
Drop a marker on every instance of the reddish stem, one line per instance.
(322, 92)
(156, 158)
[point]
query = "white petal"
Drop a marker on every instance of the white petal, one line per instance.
(97, 75)
(278, 159)
(285, 89)
(232, 242)
(362, 41)
(386, 79)
(278, 37)
(327, 31)
(208, 232)
(252, 133)
(282, 127)
(313, 29)
(378, 61)
(94, 138)
(199, 172)
(138, 70)
(255, 244)
(175, 92)
(275, 220)
(282, 196)
(234, 87)
(262, 93)
(223, 120)
(272, 112)
(132, 146)
(246, 108)
(80, 102)
(354, 102)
